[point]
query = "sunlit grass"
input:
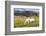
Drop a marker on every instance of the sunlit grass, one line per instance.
(19, 22)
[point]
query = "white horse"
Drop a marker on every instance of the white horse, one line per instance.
(29, 20)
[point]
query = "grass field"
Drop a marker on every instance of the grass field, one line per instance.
(19, 21)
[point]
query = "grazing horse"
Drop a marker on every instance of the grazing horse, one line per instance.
(28, 20)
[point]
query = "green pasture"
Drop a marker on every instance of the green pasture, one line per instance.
(19, 21)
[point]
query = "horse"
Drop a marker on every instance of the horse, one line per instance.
(28, 20)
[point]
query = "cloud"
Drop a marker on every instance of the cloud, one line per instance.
(26, 9)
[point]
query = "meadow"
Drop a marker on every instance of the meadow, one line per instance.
(19, 21)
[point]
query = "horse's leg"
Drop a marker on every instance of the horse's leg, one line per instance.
(24, 22)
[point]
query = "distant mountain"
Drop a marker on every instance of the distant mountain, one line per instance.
(25, 13)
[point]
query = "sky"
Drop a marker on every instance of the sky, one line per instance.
(26, 9)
